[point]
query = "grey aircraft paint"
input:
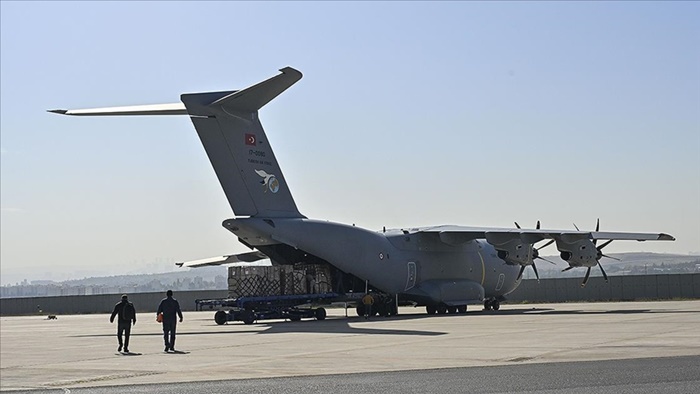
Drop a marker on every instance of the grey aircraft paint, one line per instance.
(238, 148)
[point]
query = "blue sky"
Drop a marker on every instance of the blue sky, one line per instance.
(408, 114)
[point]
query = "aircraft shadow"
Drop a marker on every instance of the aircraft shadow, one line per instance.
(552, 311)
(340, 326)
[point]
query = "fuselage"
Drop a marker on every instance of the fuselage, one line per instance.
(418, 265)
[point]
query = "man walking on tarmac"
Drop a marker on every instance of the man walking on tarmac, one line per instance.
(169, 307)
(127, 314)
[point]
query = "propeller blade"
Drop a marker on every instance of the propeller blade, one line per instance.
(520, 274)
(516, 224)
(536, 274)
(538, 225)
(603, 271)
(605, 255)
(567, 268)
(597, 228)
(549, 261)
(547, 244)
(604, 245)
(576, 227)
(585, 279)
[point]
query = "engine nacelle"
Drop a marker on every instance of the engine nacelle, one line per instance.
(578, 253)
(515, 252)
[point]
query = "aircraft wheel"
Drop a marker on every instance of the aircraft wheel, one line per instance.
(487, 305)
(430, 309)
(360, 309)
(378, 309)
(220, 318)
(390, 309)
(386, 309)
(248, 317)
(441, 309)
(294, 317)
(320, 314)
(451, 310)
(496, 305)
(462, 309)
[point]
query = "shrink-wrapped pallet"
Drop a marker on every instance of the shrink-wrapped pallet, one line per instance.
(251, 281)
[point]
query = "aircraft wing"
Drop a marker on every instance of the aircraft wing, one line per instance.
(221, 260)
(455, 235)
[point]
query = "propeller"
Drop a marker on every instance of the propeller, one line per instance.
(588, 273)
(599, 255)
(535, 255)
(536, 227)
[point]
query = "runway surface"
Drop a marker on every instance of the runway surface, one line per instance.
(570, 348)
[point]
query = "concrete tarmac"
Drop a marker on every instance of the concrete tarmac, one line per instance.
(80, 351)
(668, 375)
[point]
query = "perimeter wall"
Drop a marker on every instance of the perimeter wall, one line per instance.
(620, 288)
(101, 303)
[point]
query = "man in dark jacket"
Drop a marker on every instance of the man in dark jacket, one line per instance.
(170, 309)
(127, 314)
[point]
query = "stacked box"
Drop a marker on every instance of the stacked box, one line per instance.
(252, 281)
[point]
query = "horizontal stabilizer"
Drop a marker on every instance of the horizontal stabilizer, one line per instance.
(221, 260)
(255, 97)
(249, 99)
(153, 109)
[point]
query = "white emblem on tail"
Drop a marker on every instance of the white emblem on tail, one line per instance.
(269, 181)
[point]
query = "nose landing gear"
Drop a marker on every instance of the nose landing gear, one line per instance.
(492, 303)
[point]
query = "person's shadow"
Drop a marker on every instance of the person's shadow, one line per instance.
(128, 354)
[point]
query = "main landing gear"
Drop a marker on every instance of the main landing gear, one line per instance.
(443, 309)
(494, 304)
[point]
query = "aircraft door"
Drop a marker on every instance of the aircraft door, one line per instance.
(411, 280)
(501, 279)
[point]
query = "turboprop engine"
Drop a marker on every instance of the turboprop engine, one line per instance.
(516, 250)
(581, 251)
(577, 252)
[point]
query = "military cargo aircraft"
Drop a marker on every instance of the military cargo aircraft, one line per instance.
(444, 268)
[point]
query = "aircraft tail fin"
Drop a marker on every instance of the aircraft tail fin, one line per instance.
(228, 126)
